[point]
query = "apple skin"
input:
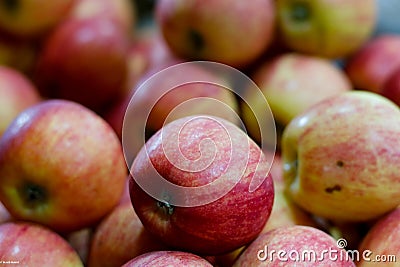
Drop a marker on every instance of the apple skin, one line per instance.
(17, 93)
(196, 30)
(5, 216)
(168, 258)
(291, 83)
(51, 162)
(391, 87)
(382, 239)
(370, 67)
(293, 238)
(120, 237)
(222, 225)
(83, 61)
(32, 18)
(31, 244)
(331, 29)
(334, 152)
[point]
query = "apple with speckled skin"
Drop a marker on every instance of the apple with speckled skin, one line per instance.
(17, 93)
(341, 157)
(331, 29)
(231, 192)
(61, 165)
(29, 244)
(197, 30)
(371, 66)
(168, 258)
(297, 245)
(32, 18)
(382, 240)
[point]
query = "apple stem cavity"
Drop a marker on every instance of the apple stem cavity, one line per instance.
(11, 5)
(167, 208)
(196, 40)
(33, 194)
(301, 11)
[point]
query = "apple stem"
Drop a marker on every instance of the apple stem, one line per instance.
(300, 11)
(34, 194)
(168, 208)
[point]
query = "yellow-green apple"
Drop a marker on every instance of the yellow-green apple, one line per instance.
(17, 93)
(380, 246)
(297, 245)
(200, 184)
(83, 61)
(163, 258)
(291, 83)
(30, 244)
(123, 12)
(391, 87)
(61, 165)
(372, 64)
(120, 237)
(327, 28)
(341, 157)
(198, 30)
(32, 18)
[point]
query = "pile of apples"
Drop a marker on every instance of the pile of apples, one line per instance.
(123, 144)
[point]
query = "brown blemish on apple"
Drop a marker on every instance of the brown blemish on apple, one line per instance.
(333, 188)
(11, 5)
(340, 163)
(196, 40)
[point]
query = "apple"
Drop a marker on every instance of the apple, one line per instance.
(341, 157)
(370, 66)
(123, 12)
(168, 258)
(231, 32)
(381, 243)
(61, 165)
(294, 246)
(80, 241)
(391, 87)
(5, 216)
(30, 244)
(291, 83)
(32, 18)
(17, 93)
(200, 184)
(331, 29)
(83, 61)
(120, 237)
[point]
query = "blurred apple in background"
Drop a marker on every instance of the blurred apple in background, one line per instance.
(122, 12)
(230, 214)
(291, 83)
(391, 87)
(341, 157)
(332, 29)
(168, 258)
(80, 241)
(227, 31)
(370, 66)
(383, 240)
(84, 61)
(286, 246)
(61, 165)
(17, 93)
(388, 17)
(120, 237)
(28, 244)
(32, 18)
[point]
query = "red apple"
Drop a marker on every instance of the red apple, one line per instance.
(381, 246)
(31, 18)
(200, 184)
(120, 237)
(369, 67)
(61, 165)
(17, 93)
(84, 61)
(301, 246)
(28, 244)
(230, 32)
(168, 258)
(326, 28)
(391, 87)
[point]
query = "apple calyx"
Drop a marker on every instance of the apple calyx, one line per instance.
(300, 11)
(33, 195)
(167, 208)
(196, 40)
(11, 5)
